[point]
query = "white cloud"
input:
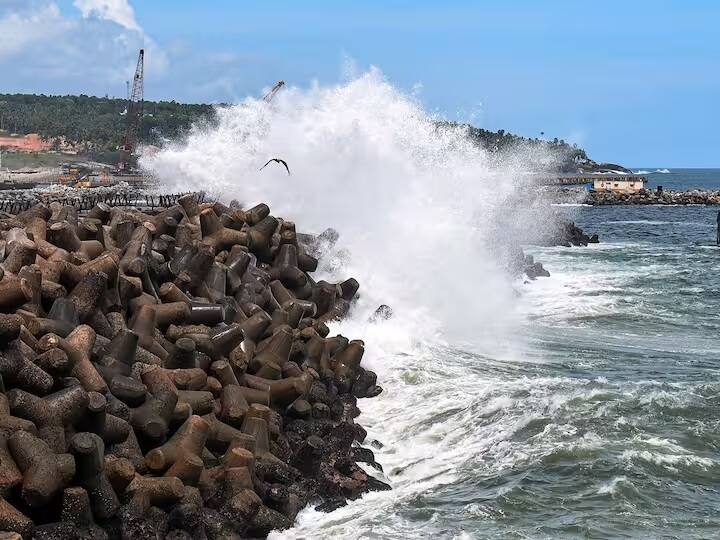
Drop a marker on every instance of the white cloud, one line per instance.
(117, 11)
(92, 51)
(20, 30)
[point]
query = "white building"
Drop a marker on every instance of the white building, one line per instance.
(619, 183)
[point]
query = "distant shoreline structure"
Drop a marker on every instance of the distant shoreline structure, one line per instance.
(660, 197)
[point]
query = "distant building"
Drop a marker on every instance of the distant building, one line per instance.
(619, 183)
(24, 143)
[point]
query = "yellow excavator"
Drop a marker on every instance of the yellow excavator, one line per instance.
(94, 180)
(71, 173)
(80, 176)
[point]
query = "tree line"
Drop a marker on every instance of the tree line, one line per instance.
(539, 152)
(97, 126)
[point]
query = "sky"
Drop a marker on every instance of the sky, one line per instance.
(633, 82)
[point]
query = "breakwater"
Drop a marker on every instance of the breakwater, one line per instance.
(171, 373)
(121, 194)
(694, 196)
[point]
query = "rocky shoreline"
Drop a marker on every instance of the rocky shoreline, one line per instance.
(170, 374)
(563, 233)
(663, 197)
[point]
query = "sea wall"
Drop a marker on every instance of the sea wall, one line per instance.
(170, 374)
(706, 197)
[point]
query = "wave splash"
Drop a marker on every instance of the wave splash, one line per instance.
(424, 216)
(417, 206)
(656, 171)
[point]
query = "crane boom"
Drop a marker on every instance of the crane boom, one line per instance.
(134, 113)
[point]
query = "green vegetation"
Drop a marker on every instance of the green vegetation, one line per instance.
(555, 154)
(96, 124)
(21, 160)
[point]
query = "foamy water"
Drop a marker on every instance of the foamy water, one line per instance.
(580, 405)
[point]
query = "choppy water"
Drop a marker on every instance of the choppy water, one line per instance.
(584, 405)
(601, 422)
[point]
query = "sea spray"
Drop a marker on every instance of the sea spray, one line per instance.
(425, 219)
(416, 205)
(615, 349)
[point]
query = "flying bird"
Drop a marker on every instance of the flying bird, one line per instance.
(277, 160)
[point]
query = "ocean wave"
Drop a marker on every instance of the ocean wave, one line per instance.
(642, 172)
(609, 171)
(669, 461)
(662, 171)
(617, 485)
(642, 222)
(363, 130)
(570, 204)
(447, 417)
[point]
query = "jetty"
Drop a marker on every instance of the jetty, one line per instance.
(598, 181)
(657, 197)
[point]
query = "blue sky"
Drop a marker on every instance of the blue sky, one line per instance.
(635, 82)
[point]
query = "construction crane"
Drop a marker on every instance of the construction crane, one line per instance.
(267, 98)
(134, 113)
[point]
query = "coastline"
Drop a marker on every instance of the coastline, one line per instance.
(655, 197)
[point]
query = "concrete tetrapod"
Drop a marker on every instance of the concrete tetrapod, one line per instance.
(171, 370)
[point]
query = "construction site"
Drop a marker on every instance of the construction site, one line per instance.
(79, 174)
(31, 162)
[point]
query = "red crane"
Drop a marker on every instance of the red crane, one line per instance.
(134, 113)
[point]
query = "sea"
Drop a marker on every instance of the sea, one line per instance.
(582, 405)
(680, 179)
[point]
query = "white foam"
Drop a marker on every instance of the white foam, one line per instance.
(415, 205)
(416, 209)
(615, 485)
(671, 462)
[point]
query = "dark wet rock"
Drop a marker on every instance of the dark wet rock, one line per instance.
(266, 520)
(320, 410)
(68, 531)
(319, 394)
(658, 197)
(364, 455)
(382, 313)
(332, 503)
(378, 485)
(308, 454)
(565, 233)
(360, 433)
(366, 379)
(377, 444)
(177, 534)
(375, 391)
(204, 398)
(536, 270)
